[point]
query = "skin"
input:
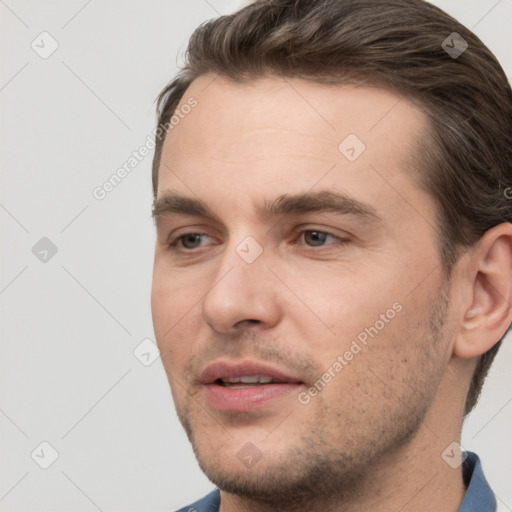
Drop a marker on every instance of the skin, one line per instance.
(374, 435)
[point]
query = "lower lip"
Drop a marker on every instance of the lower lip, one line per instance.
(247, 399)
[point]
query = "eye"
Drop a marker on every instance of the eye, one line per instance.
(188, 241)
(315, 238)
(311, 237)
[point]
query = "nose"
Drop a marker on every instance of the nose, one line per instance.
(242, 295)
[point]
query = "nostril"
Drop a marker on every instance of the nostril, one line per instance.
(248, 321)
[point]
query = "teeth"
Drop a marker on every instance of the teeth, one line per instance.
(265, 380)
(254, 379)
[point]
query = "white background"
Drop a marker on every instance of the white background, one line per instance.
(68, 375)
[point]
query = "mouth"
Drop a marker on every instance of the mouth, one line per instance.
(247, 381)
(246, 386)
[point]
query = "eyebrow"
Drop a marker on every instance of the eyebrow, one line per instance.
(173, 203)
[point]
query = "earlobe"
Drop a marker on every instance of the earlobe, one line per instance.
(490, 312)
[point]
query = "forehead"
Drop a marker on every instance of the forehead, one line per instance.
(285, 135)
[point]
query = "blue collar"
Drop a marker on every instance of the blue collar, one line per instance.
(479, 496)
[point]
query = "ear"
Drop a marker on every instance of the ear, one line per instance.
(489, 314)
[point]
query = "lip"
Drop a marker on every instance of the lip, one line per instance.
(225, 369)
(247, 398)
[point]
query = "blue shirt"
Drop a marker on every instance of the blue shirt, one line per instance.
(479, 496)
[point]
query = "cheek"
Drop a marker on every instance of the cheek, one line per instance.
(371, 319)
(345, 303)
(173, 297)
(370, 371)
(174, 312)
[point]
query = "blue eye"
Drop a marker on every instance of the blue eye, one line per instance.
(316, 238)
(189, 241)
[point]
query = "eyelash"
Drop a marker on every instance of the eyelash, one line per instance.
(173, 245)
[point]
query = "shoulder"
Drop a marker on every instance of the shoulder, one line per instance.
(210, 503)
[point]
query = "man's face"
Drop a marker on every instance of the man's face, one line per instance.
(334, 300)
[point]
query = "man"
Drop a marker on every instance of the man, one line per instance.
(333, 264)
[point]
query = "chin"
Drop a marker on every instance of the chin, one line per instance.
(282, 477)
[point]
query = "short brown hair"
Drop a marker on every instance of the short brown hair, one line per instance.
(465, 159)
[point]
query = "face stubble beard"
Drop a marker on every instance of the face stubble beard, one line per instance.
(316, 472)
